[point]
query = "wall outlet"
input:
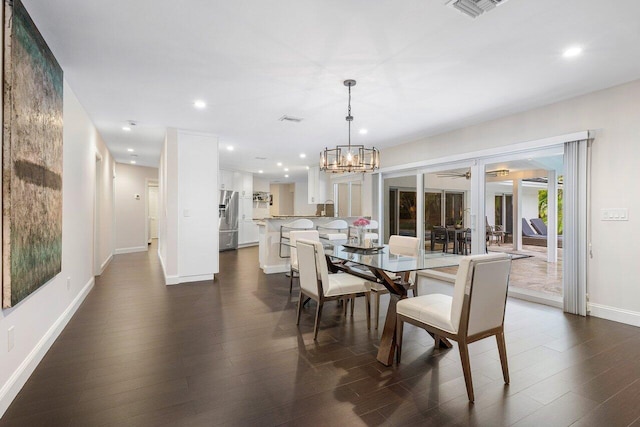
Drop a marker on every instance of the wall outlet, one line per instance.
(68, 283)
(10, 338)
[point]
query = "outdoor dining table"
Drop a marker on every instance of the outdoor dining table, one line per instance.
(392, 271)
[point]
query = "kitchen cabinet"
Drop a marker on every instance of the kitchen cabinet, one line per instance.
(225, 180)
(317, 186)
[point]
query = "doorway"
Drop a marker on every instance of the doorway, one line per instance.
(152, 211)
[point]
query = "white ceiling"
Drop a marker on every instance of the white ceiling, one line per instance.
(422, 68)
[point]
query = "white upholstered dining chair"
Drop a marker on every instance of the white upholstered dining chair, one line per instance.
(334, 230)
(316, 282)
(293, 238)
(398, 245)
(475, 311)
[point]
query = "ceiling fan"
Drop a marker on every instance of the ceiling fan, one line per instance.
(467, 174)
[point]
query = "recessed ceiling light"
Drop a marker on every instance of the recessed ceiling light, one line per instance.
(279, 163)
(199, 104)
(126, 128)
(133, 162)
(302, 155)
(363, 131)
(260, 171)
(572, 52)
(131, 150)
(229, 147)
(286, 169)
(286, 176)
(307, 167)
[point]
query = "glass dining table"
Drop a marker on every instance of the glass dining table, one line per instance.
(392, 271)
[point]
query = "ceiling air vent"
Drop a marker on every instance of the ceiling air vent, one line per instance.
(475, 8)
(286, 118)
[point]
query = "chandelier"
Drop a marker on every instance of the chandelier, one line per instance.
(350, 157)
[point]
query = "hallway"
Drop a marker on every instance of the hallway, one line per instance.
(140, 353)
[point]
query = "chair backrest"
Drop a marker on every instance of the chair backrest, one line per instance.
(480, 292)
(300, 234)
(404, 245)
(300, 224)
(407, 246)
(312, 272)
(373, 225)
(338, 224)
(526, 229)
(539, 225)
(440, 234)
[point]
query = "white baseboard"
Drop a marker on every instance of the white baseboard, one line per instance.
(17, 380)
(131, 250)
(616, 314)
(272, 269)
(176, 280)
(537, 297)
(105, 264)
(246, 245)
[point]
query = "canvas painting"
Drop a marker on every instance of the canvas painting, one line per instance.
(31, 158)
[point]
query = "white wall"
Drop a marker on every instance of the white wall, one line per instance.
(197, 206)
(104, 243)
(188, 226)
(39, 319)
(301, 204)
(131, 216)
(613, 116)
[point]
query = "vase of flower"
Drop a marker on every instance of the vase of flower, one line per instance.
(361, 227)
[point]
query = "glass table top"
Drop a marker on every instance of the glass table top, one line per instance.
(394, 263)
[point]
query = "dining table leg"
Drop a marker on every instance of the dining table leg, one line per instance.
(388, 341)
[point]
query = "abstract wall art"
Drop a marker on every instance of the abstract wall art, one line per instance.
(31, 158)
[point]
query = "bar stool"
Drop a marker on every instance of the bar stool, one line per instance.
(298, 224)
(334, 230)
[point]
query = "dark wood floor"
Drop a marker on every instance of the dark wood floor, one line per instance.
(229, 353)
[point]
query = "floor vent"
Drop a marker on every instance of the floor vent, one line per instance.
(475, 8)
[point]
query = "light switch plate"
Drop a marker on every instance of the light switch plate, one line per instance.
(614, 214)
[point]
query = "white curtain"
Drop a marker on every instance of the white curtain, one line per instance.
(575, 219)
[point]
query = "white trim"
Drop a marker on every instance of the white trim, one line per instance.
(131, 250)
(105, 264)
(537, 297)
(247, 244)
(17, 380)
(195, 278)
(491, 152)
(272, 269)
(171, 280)
(616, 314)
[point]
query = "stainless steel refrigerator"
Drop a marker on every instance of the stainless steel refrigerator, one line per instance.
(228, 220)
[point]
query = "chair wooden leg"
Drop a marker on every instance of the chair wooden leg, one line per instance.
(301, 302)
(399, 330)
(317, 324)
(377, 309)
(367, 295)
(466, 368)
(502, 349)
(345, 302)
(353, 304)
(291, 280)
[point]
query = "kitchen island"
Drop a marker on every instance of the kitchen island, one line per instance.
(274, 259)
